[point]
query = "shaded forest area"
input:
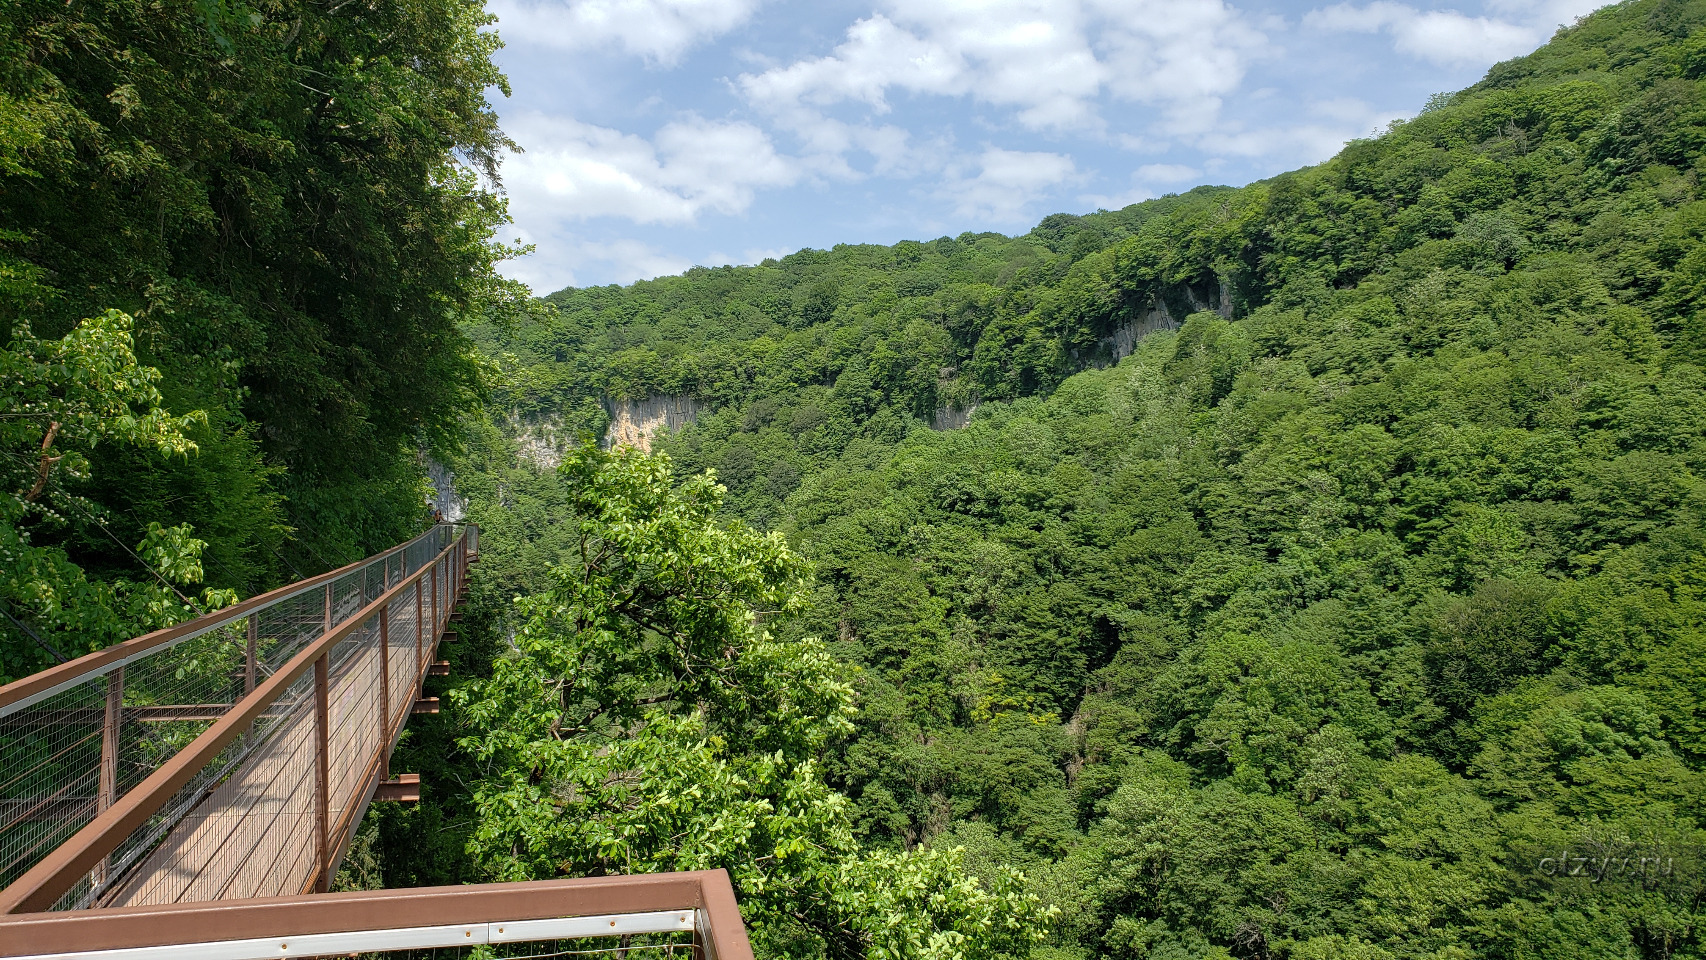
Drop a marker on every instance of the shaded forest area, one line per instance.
(237, 242)
(1319, 626)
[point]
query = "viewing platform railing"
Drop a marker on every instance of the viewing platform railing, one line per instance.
(625, 918)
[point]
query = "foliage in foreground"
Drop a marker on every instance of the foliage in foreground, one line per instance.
(645, 719)
(63, 399)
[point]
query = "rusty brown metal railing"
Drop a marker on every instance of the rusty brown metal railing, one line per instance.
(227, 757)
(373, 922)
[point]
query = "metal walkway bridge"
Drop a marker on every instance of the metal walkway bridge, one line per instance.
(190, 793)
(228, 757)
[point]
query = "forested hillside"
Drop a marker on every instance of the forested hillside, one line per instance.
(1327, 624)
(236, 245)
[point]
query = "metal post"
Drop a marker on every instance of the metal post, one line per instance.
(385, 692)
(418, 628)
(109, 739)
(107, 792)
(249, 648)
(322, 779)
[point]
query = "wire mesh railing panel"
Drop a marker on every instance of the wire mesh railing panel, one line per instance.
(65, 758)
(441, 569)
(645, 947)
(405, 655)
(352, 722)
(197, 856)
(50, 768)
(284, 628)
(348, 596)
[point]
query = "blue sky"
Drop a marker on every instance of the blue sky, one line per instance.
(660, 134)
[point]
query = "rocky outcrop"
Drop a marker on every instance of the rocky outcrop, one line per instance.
(633, 423)
(952, 417)
(539, 442)
(1167, 313)
(445, 500)
(959, 400)
(1127, 336)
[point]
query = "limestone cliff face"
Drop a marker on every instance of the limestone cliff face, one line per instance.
(540, 442)
(451, 505)
(1126, 337)
(1167, 313)
(958, 400)
(633, 423)
(952, 417)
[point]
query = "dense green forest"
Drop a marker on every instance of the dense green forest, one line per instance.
(1321, 572)
(237, 245)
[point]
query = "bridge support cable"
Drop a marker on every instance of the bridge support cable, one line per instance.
(230, 756)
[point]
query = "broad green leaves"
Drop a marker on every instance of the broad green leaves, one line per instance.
(288, 198)
(65, 401)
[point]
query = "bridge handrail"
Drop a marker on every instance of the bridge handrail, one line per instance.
(36, 687)
(719, 933)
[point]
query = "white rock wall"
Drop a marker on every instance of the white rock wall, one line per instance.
(633, 423)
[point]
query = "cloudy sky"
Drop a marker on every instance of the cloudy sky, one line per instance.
(660, 134)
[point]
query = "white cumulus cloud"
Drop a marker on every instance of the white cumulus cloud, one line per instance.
(1183, 56)
(1445, 37)
(576, 170)
(658, 30)
(1006, 183)
(1046, 60)
(877, 55)
(1030, 55)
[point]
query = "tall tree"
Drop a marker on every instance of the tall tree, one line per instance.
(295, 201)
